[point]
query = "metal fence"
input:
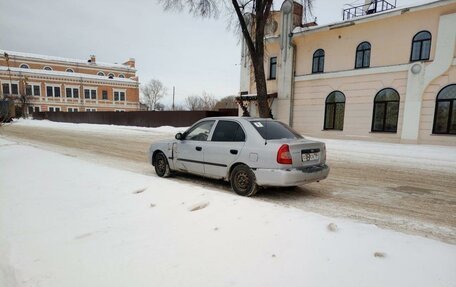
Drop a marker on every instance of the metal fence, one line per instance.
(141, 118)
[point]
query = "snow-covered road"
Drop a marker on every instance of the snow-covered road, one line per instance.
(408, 188)
(68, 222)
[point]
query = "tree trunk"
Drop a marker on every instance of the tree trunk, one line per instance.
(261, 87)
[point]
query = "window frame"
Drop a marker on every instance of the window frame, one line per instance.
(32, 86)
(236, 122)
(54, 109)
(103, 95)
(321, 61)
(101, 74)
(334, 112)
(53, 86)
(452, 106)
(10, 88)
(69, 70)
(72, 88)
(194, 127)
(72, 110)
(24, 64)
(271, 64)
(90, 89)
(124, 91)
(385, 110)
(48, 68)
(421, 46)
(358, 49)
(90, 109)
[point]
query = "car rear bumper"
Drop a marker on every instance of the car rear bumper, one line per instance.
(291, 177)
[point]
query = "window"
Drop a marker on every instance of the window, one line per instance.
(421, 46)
(91, 110)
(272, 68)
(121, 76)
(24, 66)
(110, 75)
(119, 95)
(363, 52)
(69, 70)
(10, 88)
(445, 111)
(33, 90)
(54, 109)
(47, 68)
(90, 93)
(386, 111)
(334, 111)
(73, 110)
(227, 131)
(33, 109)
(53, 91)
(273, 130)
(318, 61)
(200, 132)
(100, 73)
(104, 95)
(119, 111)
(72, 92)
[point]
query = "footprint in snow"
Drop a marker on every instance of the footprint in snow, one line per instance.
(140, 190)
(380, 254)
(332, 227)
(198, 206)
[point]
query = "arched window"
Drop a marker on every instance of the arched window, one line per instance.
(69, 70)
(386, 111)
(110, 75)
(121, 76)
(363, 53)
(24, 66)
(334, 111)
(100, 73)
(47, 68)
(318, 61)
(421, 46)
(445, 111)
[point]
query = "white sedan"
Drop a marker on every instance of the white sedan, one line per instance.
(249, 152)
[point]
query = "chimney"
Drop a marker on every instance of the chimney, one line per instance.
(131, 63)
(92, 59)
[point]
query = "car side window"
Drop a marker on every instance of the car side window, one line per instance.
(200, 132)
(228, 131)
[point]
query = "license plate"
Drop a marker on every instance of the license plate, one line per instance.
(310, 156)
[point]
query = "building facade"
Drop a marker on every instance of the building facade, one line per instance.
(386, 75)
(47, 83)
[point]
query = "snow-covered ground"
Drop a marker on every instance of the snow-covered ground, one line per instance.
(68, 222)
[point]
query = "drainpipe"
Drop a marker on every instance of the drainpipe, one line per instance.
(293, 67)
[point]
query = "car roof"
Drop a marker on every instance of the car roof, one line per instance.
(238, 118)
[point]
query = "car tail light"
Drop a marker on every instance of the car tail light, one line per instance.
(284, 155)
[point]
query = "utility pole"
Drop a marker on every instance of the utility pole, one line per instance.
(174, 92)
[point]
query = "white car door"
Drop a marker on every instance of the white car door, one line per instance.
(223, 149)
(189, 150)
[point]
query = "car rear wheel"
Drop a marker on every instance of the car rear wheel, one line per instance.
(243, 181)
(161, 165)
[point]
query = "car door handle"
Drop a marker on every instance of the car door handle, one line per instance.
(198, 148)
(233, 151)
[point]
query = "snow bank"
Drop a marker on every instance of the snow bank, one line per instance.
(66, 222)
(103, 129)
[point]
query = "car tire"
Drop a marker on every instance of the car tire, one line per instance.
(243, 181)
(161, 165)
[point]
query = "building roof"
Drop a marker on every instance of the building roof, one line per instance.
(67, 75)
(387, 13)
(21, 55)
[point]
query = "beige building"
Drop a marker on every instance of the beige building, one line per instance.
(383, 73)
(68, 85)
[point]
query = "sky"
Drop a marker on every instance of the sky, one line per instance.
(192, 54)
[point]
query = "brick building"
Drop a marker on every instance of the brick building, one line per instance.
(50, 83)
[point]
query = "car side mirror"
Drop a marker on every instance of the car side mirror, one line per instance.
(179, 136)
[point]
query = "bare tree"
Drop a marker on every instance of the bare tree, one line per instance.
(253, 31)
(205, 102)
(152, 92)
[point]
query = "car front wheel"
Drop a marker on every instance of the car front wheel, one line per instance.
(161, 165)
(243, 181)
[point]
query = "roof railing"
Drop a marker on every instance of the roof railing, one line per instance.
(371, 8)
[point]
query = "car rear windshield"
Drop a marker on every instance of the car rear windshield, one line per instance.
(273, 130)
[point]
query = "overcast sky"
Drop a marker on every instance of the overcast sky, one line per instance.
(190, 53)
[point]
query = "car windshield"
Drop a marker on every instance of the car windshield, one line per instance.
(273, 130)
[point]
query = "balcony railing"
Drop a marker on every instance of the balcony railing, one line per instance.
(367, 9)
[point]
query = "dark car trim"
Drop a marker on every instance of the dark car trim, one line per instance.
(202, 162)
